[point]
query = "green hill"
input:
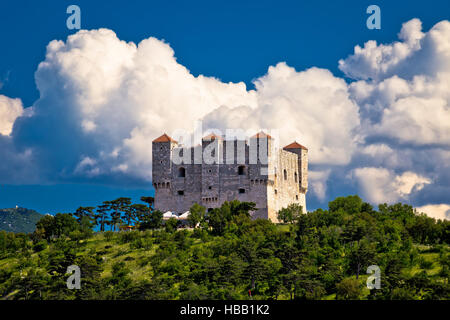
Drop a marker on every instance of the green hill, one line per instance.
(324, 254)
(19, 220)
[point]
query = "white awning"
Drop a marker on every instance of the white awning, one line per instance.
(168, 214)
(185, 215)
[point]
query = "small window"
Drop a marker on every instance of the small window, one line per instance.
(209, 187)
(161, 162)
(241, 190)
(161, 148)
(182, 172)
(276, 192)
(295, 177)
(241, 170)
(296, 197)
(285, 174)
(181, 192)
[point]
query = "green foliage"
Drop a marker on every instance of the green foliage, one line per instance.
(322, 255)
(348, 289)
(197, 215)
(171, 225)
(349, 204)
(151, 220)
(62, 224)
(219, 218)
(291, 213)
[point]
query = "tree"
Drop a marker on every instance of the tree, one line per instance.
(85, 212)
(118, 207)
(348, 289)
(124, 206)
(101, 216)
(291, 213)
(139, 211)
(150, 219)
(149, 200)
(197, 214)
(171, 225)
(218, 218)
(361, 255)
(65, 224)
(350, 204)
(46, 226)
(62, 224)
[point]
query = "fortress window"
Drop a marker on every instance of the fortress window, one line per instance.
(295, 177)
(241, 170)
(276, 192)
(285, 174)
(161, 148)
(296, 197)
(181, 192)
(241, 190)
(182, 172)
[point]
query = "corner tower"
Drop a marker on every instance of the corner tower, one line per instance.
(162, 154)
(302, 154)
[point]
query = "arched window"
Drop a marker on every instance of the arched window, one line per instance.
(182, 172)
(285, 174)
(241, 170)
(295, 177)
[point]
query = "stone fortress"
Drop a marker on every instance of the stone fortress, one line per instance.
(254, 171)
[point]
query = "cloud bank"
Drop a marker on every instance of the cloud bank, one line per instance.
(385, 133)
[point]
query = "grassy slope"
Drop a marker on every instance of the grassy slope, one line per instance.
(135, 260)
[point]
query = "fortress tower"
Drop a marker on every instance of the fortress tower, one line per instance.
(222, 170)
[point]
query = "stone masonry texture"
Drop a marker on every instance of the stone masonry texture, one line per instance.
(223, 170)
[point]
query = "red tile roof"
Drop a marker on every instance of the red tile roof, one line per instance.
(262, 134)
(211, 137)
(295, 145)
(164, 138)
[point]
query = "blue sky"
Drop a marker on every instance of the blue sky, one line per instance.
(233, 41)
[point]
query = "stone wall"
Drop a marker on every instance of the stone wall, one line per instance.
(212, 184)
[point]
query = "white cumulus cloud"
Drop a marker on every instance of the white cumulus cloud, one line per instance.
(437, 211)
(381, 185)
(10, 110)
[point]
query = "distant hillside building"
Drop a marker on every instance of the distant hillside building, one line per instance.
(238, 172)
